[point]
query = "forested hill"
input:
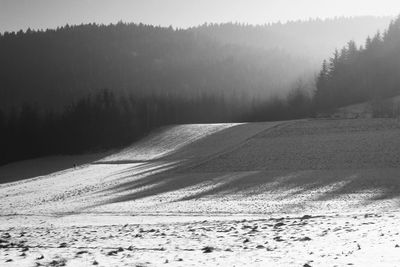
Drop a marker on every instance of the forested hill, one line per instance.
(156, 76)
(356, 74)
(52, 68)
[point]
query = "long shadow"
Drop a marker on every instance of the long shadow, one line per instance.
(312, 185)
(382, 184)
(145, 185)
(316, 185)
(261, 182)
(173, 177)
(141, 176)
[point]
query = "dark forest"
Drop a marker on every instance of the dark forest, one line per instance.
(86, 88)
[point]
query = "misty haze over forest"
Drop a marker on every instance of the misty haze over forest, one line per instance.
(235, 60)
(104, 86)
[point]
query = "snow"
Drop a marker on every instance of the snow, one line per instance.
(166, 141)
(337, 240)
(186, 187)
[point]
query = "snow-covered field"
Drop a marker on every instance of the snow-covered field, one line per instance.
(297, 193)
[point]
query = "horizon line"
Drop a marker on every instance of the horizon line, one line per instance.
(271, 23)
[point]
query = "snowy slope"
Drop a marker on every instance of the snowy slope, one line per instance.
(74, 189)
(228, 168)
(202, 195)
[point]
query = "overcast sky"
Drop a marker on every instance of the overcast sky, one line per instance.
(21, 14)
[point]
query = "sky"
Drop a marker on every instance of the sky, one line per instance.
(42, 14)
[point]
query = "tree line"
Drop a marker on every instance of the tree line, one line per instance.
(359, 74)
(104, 120)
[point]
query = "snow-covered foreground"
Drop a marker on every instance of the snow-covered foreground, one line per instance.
(240, 189)
(338, 240)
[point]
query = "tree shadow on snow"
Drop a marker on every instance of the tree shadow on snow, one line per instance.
(312, 185)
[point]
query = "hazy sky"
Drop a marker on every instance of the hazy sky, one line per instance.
(21, 14)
